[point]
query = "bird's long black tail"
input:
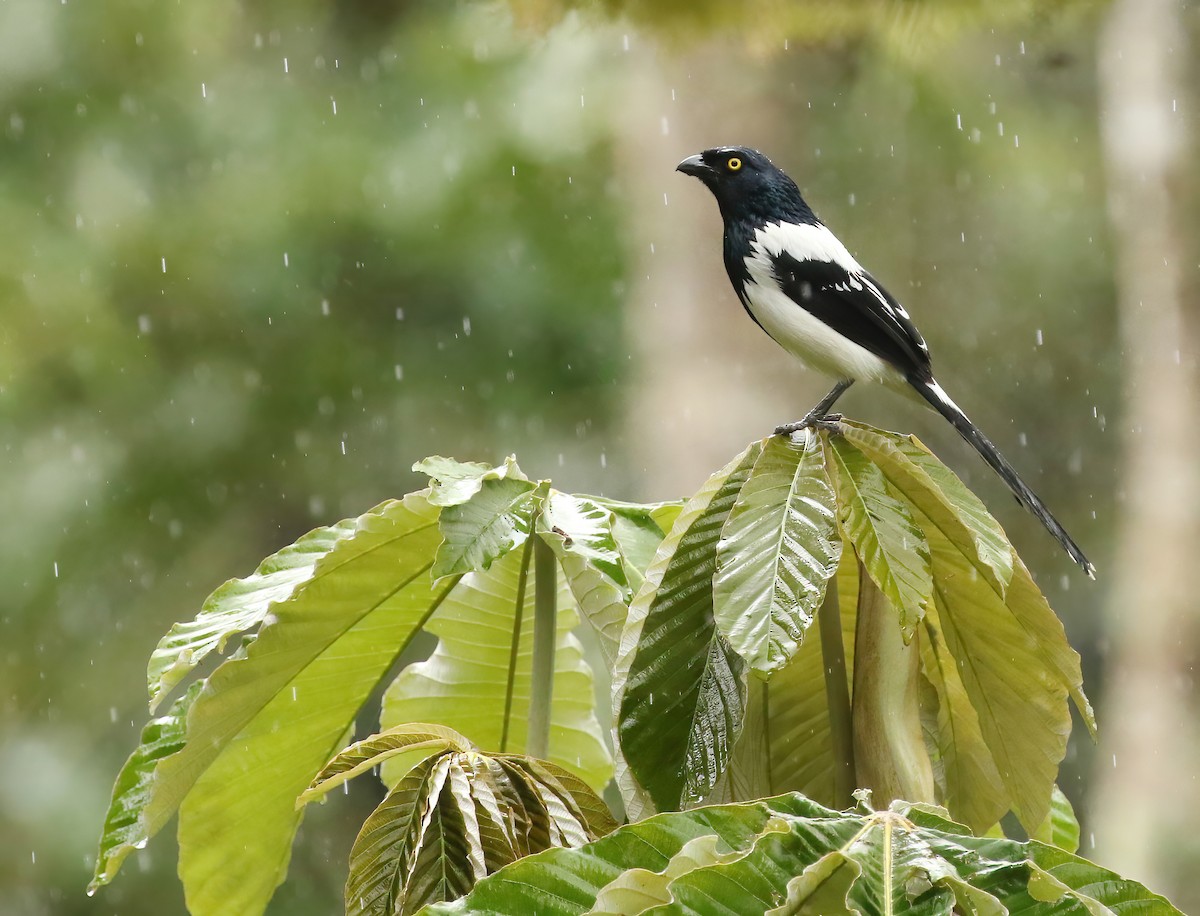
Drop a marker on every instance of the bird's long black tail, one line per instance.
(932, 392)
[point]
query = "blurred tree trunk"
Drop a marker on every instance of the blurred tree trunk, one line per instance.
(1146, 790)
(706, 380)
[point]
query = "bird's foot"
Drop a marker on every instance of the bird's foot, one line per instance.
(828, 422)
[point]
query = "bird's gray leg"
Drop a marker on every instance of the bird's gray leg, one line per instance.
(819, 415)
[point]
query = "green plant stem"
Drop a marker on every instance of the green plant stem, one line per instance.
(545, 591)
(837, 690)
(514, 649)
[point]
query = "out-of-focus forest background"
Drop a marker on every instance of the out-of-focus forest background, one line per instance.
(256, 259)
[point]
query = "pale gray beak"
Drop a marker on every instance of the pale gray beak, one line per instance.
(696, 167)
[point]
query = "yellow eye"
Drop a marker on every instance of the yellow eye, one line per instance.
(734, 164)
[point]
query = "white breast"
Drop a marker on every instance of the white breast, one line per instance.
(804, 242)
(813, 341)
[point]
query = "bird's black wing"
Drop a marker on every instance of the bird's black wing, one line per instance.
(856, 306)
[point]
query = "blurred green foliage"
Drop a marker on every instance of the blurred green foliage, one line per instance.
(255, 259)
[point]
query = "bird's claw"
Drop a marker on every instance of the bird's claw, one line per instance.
(828, 422)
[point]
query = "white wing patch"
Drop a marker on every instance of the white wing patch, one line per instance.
(804, 242)
(807, 242)
(795, 328)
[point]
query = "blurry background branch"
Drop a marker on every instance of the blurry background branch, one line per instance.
(1149, 714)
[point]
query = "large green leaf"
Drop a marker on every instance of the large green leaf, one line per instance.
(639, 889)
(454, 817)
(995, 644)
(1060, 828)
(881, 528)
(789, 855)
(786, 743)
(995, 656)
(778, 549)
(124, 826)
(478, 680)
(238, 606)
(454, 482)
(267, 719)
(580, 532)
(414, 848)
(968, 781)
(640, 528)
(485, 527)
(924, 481)
(374, 751)
(679, 686)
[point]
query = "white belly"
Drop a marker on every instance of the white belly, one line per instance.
(814, 342)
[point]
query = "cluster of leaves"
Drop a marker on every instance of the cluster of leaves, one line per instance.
(326, 620)
(723, 697)
(456, 816)
(789, 855)
(956, 669)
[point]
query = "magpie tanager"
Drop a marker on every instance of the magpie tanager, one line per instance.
(801, 286)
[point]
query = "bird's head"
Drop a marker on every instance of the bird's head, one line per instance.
(747, 185)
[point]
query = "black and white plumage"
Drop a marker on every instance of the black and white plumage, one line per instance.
(800, 285)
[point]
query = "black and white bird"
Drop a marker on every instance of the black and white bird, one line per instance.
(801, 286)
